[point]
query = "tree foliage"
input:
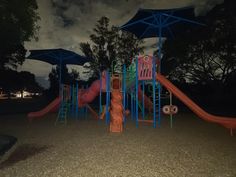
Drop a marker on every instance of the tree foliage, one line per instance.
(17, 25)
(110, 47)
(66, 78)
(205, 55)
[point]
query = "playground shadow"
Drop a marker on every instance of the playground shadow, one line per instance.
(22, 153)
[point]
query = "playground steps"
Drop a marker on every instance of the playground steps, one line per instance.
(145, 121)
(156, 98)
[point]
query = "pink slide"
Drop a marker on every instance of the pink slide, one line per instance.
(227, 122)
(88, 95)
(85, 96)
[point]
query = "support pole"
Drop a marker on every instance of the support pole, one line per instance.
(124, 92)
(159, 85)
(107, 97)
(136, 93)
(154, 91)
(132, 106)
(60, 78)
(78, 101)
(86, 108)
(127, 101)
(72, 106)
(100, 96)
(78, 97)
(171, 116)
(134, 112)
(143, 105)
(83, 108)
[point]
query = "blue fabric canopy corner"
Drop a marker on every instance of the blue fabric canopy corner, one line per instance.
(148, 23)
(58, 56)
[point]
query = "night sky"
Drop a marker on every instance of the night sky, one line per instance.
(66, 23)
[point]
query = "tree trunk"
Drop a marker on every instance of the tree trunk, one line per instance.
(8, 95)
(22, 93)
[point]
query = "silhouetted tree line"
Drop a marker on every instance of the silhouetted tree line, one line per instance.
(17, 25)
(204, 57)
(13, 81)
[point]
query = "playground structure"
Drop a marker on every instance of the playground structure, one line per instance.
(121, 87)
(126, 90)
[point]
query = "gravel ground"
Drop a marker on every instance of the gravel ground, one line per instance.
(192, 148)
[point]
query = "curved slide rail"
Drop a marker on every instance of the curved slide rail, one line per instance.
(227, 122)
(147, 102)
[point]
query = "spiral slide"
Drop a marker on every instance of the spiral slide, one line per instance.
(227, 122)
(116, 112)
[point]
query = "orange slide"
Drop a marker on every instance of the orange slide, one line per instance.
(227, 122)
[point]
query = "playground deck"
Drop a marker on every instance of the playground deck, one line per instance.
(191, 148)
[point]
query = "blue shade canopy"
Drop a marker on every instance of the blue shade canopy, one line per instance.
(149, 23)
(58, 57)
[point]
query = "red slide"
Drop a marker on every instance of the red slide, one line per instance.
(227, 122)
(85, 96)
(89, 94)
(53, 106)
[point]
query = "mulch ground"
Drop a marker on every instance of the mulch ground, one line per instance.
(192, 148)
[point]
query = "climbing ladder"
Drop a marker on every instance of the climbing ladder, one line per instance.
(65, 105)
(74, 96)
(63, 113)
(156, 97)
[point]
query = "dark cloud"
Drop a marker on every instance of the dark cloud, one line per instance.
(203, 6)
(66, 23)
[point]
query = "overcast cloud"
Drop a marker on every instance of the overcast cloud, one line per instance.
(66, 23)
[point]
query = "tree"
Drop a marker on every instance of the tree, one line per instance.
(66, 78)
(110, 47)
(52, 92)
(205, 55)
(7, 78)
(12, 81)
(17, 25)
(26, 82)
